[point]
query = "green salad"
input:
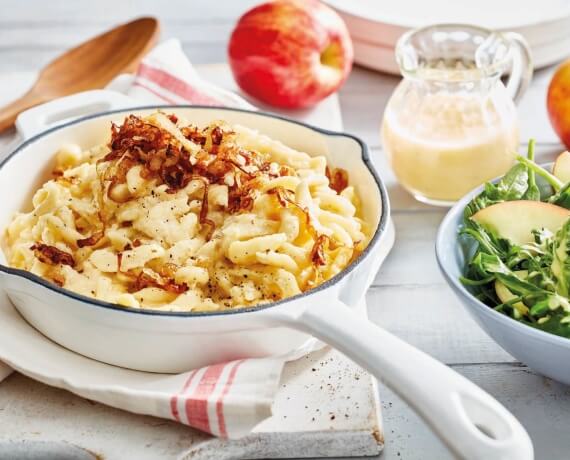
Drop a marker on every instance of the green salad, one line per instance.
(521, 229)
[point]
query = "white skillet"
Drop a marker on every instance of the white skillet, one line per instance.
(470, 422)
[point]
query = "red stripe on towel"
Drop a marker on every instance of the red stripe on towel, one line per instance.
(175, 85)
(220, 401)
(174, 399)
(156, 93)
(197, 403)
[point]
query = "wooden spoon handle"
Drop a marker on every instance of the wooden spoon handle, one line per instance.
(9, 113)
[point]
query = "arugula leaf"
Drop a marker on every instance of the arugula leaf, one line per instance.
(532, 192)
(555, 324)
(521, 287)
(492, 264)
(555, 183)
(561, 262)
(519, 183)
(488, 242)
(562, 198)
(514, 184)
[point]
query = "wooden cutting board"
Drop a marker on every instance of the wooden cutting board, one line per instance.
(325, 407)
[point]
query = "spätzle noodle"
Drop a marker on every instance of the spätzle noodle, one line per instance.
(173, 217)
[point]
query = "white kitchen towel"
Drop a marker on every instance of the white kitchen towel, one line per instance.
(229, 399)
(166, 76)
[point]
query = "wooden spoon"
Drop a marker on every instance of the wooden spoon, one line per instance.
(89, 66)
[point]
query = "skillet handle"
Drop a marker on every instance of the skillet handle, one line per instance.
(53, 113)
(468, 420)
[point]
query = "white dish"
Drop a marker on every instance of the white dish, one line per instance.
(39, 358)
(506, 14)
(376, 57)
(381, 57)
(375, 27)
(94, 332)
(469, 421)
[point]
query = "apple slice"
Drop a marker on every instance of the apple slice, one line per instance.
(505, 295)
(561, 167)
(515, 220)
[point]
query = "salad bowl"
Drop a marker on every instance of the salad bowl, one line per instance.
(542, 351)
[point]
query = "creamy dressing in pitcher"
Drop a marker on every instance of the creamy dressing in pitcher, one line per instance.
(451, 124)
(449, 143)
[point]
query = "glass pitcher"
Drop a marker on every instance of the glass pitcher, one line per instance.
(451, 124)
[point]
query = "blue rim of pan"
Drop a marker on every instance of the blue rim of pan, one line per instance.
(380, 230)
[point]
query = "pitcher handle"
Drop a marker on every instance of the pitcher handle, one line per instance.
(522, 68)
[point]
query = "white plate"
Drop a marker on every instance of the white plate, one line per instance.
(544, 24)
(377, 57)
(493, 14)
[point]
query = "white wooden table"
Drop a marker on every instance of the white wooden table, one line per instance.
(409, 296)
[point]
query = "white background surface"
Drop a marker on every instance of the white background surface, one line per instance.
(409, 296)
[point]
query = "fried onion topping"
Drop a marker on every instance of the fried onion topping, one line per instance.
(338, 179)
(219, 161)
(52, 255)
(144, 280)
(162, 157)
(91, 240)
(318, 253)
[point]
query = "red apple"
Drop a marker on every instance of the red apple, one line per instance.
(290, 53)
(558, 102)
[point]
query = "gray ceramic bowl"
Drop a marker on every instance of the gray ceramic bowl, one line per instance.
(546, 353)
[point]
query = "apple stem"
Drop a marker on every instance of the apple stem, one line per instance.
(556, 183)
